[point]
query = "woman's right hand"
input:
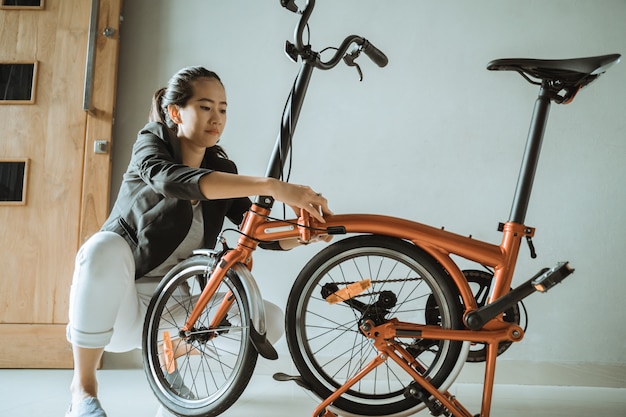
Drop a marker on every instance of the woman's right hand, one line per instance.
(302, 197)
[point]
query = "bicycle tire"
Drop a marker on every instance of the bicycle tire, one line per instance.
(317, 330)
(217, 364)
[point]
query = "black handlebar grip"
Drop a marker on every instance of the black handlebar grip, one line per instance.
(289, 5)
(375, 54)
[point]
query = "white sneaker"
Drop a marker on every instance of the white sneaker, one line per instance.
(89, 407)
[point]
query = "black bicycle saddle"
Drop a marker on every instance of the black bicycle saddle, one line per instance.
(570, 72)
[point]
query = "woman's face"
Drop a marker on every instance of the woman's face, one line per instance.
(201, 121)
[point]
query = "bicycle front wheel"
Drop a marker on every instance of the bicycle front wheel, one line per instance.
(327, 345)
(204, 373)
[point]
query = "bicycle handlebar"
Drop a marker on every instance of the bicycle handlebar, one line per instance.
(375, 54)
(311, 60)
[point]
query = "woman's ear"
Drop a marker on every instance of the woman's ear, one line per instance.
(174, 113)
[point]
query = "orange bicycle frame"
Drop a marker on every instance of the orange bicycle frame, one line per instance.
(439, 243)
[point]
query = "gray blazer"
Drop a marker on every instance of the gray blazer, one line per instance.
(153, 211)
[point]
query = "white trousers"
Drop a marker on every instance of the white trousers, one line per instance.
(108, 307)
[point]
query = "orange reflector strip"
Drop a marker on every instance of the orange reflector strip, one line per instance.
(349, 291)
(168, 353)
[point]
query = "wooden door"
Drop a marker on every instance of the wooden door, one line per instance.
(66, 190)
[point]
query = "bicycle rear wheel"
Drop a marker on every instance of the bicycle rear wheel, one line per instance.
(213, 366)
(325, 341)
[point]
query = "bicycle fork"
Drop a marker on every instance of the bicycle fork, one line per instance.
(209, 291)
(239, 261)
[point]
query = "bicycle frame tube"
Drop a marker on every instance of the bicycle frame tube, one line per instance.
(438, 243)
(531, 156)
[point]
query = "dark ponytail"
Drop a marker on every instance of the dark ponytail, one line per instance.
(156, 109)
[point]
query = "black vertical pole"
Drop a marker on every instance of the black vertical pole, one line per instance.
(531, 157)
(287, 129)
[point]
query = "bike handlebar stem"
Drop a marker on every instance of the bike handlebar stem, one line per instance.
(289, 122)
(310, 60)
(304, 20)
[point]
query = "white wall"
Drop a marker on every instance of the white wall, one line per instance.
(433, 137)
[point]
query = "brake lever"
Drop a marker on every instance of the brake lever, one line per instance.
(358, 69)
(350, 59)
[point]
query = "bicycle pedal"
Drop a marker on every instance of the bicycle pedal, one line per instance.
(283, 377)
(552, 277)
(542, 282)
(168, 353)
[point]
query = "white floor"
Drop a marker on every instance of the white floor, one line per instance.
(125, 393)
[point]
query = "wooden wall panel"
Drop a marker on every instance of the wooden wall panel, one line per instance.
(68, 184)
(28, 342)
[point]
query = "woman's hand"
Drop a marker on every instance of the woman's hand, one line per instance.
(302, 197)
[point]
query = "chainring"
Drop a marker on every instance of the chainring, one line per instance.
(480, 282)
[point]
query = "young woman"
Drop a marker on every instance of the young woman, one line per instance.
(175, 194)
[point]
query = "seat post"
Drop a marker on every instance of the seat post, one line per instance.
(531, 155)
